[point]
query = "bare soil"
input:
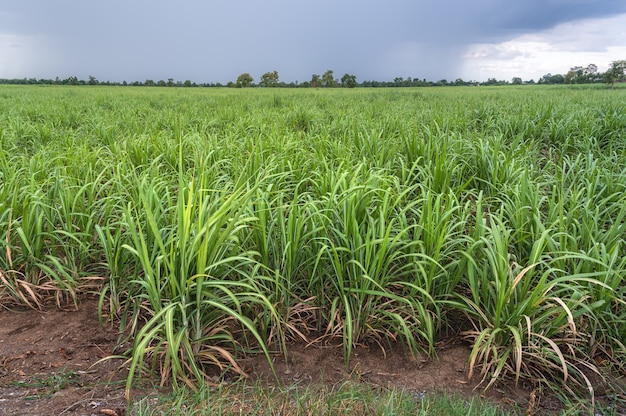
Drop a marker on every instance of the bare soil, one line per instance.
(51, 364)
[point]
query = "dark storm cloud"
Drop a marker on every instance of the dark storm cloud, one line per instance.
(216, 40)
(535, 15)
(497, 20)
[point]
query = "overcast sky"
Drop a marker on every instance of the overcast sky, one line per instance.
(216, 40)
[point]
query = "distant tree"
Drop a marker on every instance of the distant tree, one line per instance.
(328, 79)
(92, 80)
(552, 79)
(570, 77)
(545, 79)
(348, 81)
(71, 81)
(516, 81)
(459, 82)
(149, 83)
(187, 83)
(615, 73)
(591, 69)
(579, 70)
(269, 79)
(170, 82)
(315, 81)
(576, 75)
(244, 80)
(557, 79)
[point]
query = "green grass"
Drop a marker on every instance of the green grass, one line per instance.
(46, 387)
(216, 223)
(344, 399)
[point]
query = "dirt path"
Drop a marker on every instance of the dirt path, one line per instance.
(49, 364)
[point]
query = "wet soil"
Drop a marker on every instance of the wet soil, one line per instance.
(51, 363)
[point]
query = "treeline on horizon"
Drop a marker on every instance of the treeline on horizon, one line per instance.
(576, 75)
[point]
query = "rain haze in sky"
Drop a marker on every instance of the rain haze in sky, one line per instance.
(215, 41)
